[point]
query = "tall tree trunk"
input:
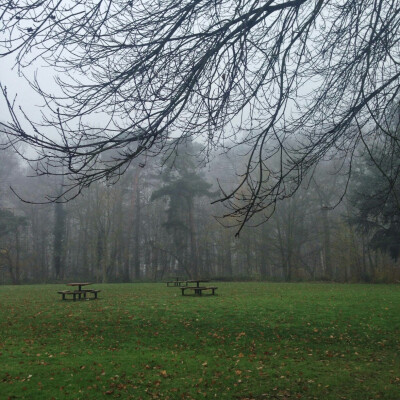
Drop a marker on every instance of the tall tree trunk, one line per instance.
(126, 264)
(59, 235)
(371, 264)
(247, 269)
(327, 243)
(263, 266)
(99, 256)
(136, 226)
(193, 244)
(154, 261)
(104, 260)
(17, 257)
(281, 249)
(228, 270)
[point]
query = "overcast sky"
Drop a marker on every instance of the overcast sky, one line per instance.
(15, 84)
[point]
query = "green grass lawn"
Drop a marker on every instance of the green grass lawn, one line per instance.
(252, 341)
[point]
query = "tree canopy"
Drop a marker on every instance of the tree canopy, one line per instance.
(182, 184)
(376, 201)
(297, 81)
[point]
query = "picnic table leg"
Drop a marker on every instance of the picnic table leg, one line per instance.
(74, 295)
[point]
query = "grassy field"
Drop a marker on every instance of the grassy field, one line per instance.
(252, 341)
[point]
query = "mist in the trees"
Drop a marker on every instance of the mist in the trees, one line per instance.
(158, 221)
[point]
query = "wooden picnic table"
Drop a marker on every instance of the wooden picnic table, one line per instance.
(79, 284)
(198, 281)
(198, 290)
(79, 292)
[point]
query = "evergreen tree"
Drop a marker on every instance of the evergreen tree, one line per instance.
(375, 196)
(182, 184)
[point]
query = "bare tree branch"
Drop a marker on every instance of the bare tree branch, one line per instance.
(297, 81)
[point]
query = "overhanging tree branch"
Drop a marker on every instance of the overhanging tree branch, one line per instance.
(291, 80)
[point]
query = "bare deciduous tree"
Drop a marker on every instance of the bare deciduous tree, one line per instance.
(296, 80)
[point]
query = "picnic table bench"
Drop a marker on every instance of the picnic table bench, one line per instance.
(198, 290)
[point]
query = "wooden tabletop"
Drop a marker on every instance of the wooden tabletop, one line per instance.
(79, 284)
(197, 281)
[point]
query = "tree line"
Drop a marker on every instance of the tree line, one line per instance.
(158, 221)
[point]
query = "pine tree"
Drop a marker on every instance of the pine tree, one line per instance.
(182, 184)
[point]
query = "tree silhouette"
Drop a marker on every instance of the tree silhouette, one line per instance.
(376, 205)
(181, 185)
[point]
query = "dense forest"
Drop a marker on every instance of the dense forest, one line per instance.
(160, 219)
